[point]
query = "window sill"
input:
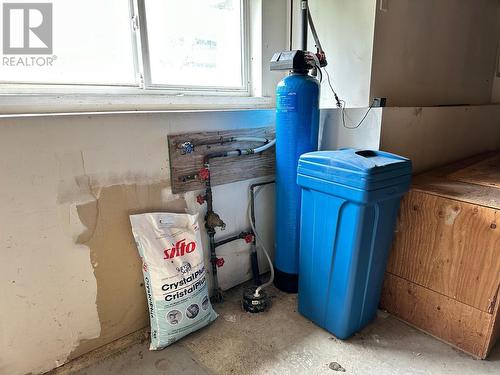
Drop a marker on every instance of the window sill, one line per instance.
(44, 104)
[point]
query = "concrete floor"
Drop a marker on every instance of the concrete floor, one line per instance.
(281, 341)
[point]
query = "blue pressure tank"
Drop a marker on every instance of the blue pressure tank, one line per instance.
(297, 127)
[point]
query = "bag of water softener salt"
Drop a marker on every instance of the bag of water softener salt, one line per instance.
(174, 275)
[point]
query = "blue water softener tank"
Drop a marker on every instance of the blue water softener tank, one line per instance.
(297, 126)
(350, 201)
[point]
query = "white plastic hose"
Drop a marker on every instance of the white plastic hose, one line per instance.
(259, 240)
(251, 139)
(251, 151)
(264, 147)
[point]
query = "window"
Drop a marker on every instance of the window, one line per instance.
(197, 46)
(88, 46)
(204, 49)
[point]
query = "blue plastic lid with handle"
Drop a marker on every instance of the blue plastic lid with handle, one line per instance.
(362, 169)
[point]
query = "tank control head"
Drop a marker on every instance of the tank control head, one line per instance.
(298, 61)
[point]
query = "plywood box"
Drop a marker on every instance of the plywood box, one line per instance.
(443, 274)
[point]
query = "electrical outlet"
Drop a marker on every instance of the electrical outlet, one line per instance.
(378, 102)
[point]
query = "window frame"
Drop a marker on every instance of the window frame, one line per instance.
(41, 88)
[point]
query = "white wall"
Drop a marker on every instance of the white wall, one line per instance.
(429, 136)
(345, 29)
(352, 130)
(431, 52)
(70, 276)
(435, 136)
(415, 53)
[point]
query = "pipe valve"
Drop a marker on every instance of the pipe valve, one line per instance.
(212, 221)
(186, 148)
(204, 174)
(248, 238)
(219, 262)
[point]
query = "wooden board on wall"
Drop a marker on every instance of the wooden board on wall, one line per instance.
(223, 170)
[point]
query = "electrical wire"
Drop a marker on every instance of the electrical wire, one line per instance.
(259, 240)
(318, 69)
(342, 104)
(339, 105)
(264, 147)
(359, 123)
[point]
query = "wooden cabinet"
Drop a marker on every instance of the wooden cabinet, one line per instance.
(443, 274)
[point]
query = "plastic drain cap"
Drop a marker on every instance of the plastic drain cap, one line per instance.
(254, 304)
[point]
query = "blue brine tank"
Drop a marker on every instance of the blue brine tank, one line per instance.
(297, 127)
(350, 201)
